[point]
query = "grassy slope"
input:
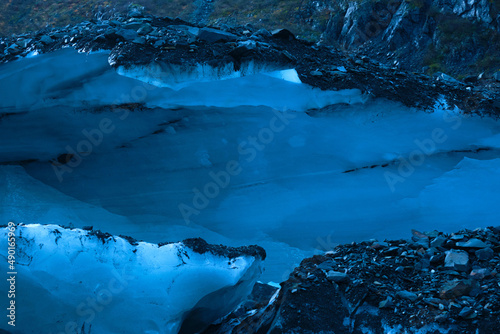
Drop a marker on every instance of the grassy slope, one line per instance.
(18, 16)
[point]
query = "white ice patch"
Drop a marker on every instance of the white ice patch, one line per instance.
(287, 75)
(73, 279)
(176, 76)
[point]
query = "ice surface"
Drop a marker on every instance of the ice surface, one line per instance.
(73, 279)
(307, 168)
(82, 81)
(179, 76)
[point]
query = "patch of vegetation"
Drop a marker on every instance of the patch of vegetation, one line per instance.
(305, 18)
(434, 59)
(19, 16)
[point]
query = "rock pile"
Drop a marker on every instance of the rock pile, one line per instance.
(432, 283)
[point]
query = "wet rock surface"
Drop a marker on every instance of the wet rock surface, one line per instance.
(142, 39)
(398, 285)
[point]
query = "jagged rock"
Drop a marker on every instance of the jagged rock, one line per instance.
(485, 254)
(472, 243)
(386, 303)
(243, 49)
(134, 25)
(407, 295)
(457, 260)
(327, 265)
(45, 39)
(284, 34)
(496, 76)
(213, 35)
(139, 40)
(337, 277)
(127, 34)
(438, 241)
(479, 273)
(14, 49)
(135, 11)
(145, 29)
(23, 43)
(467, 313)
(457, 288)
(447, 78)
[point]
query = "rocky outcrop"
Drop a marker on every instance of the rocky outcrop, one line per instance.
(432, 283)
(457, 36)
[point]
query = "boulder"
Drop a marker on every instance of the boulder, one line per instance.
(457, 260)
(407, 295)
(337, 277)
(457, 288)
(213, 35)
(283, 34)
(45, 39)
(485, 254)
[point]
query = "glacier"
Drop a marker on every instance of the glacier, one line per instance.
(73, 280)
(252, 159)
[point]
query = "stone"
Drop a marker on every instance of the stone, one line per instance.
(263, 32)
(386, 303)
(337, 277)
(110, 32)
(45, 39)
(23, 43)
(134, 25)
(316, 73)
(159, 43)
(423, 264)
(470, 79)
(443, 317)
(496, 76)
(243, 50)
(327, 265)
(423, 242)
(438, 241)
(213, 35)
(127, 34)
(447, 78)
(135, 11)
(188, 30)
(14, 49)
(407, 295)
(437, 259)
(139, 40)
(466, 312)
(283, 34)
(479, 273)
(432, 301)
(457, 260)
(456, 288)
(145, 29)
(485, 254)
(472, 243)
